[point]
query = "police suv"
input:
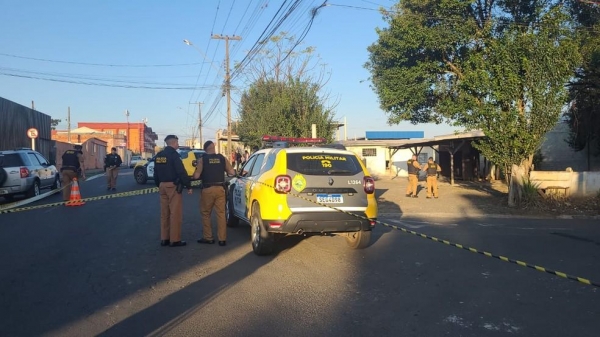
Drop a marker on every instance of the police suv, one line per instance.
(302, 190)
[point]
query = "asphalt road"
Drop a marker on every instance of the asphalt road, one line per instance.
(98, 269)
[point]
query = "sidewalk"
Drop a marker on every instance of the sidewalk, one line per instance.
(464, 199)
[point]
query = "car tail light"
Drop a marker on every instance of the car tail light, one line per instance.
(283, 184)
(369, 185)
(275, 225)
(24, 172)
(372, 222)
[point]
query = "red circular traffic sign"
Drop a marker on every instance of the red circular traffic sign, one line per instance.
(32, 133)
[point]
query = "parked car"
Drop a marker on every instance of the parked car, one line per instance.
(134, 161)
(144, 170)
(24, 171)
(303, 190)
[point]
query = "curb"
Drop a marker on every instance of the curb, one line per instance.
(493, 216)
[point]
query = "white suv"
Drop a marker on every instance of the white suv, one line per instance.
(24, 171)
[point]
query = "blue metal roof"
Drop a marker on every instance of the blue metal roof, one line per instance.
(372, 135)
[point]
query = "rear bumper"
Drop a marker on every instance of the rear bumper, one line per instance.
(320, 222)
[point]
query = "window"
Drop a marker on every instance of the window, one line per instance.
(41, 159)
(370, 152)
(323, 164)
(33, 159)
(257, 165)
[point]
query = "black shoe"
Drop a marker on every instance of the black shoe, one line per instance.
(114, 189)
(408, 195)
(177, 244)
(415, 196)
(436, 197)
(210, 242)
(108, 188)
(428, 197)
(222, 243)
(164, 242)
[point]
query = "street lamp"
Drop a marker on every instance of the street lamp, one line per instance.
(127, 141)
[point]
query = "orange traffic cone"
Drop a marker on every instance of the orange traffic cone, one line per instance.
(75, 197)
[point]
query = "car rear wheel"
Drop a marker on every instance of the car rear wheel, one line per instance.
(358, 240)
(34, 191)
(232, 220)
(140, 175)
(263, 242)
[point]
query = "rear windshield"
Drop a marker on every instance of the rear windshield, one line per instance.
(323, 164)
(10, 160)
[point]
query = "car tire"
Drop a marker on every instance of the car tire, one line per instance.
(56, 184)
(263, 242)
(3, 176)
(140, 175)
(232, 220)
(34, 191)
(358, 240)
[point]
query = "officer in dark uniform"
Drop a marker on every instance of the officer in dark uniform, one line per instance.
(432, 169)
(413, 168)
(72, 164)
(211, 170)
(112, 162)
(170, 177)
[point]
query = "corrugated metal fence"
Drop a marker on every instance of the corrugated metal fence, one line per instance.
(15, 120)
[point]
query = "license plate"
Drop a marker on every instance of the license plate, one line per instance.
(330, 198)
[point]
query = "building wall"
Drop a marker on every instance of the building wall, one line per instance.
(558, 155)
(142, 139)
(15, 120)
(94, 152)
(379, 158)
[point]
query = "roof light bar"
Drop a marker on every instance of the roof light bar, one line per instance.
(298, 140)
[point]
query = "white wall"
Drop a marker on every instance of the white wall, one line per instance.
(585, 183)
(377, 164)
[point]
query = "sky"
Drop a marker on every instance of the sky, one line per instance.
(102, 58)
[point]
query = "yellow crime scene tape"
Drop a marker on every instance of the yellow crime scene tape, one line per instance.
(432, 238)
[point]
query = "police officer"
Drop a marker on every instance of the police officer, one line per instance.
(413, 176)
(211, 170)
(432, 169)
(112, 162)
(168, 174)
(72, 163)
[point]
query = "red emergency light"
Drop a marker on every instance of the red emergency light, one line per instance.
(298, 140)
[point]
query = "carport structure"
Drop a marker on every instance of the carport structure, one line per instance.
(448, 146)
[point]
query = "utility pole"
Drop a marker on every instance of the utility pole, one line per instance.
(69, 124)
(227, 85)
(199, 124)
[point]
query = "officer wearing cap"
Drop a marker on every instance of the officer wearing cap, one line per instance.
(112, 162)
(413, 168)
(432, 169)
(211, 170)
(168, 174)
(72, 164)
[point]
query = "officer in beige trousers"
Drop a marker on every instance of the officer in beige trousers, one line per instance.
(413, 168)
(211, 169)
(169, 173)
(433, 170)
(112, 162)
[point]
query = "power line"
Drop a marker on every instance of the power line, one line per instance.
(100, 64)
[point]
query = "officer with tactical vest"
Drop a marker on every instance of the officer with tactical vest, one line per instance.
(433, 170)
(170, 177)
(413, 168)
(72, 164)
(211, 170)
(112, 162)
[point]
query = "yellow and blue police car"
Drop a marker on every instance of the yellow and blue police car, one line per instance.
(302, 190)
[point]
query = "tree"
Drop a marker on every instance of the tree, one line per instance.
(283, 97)
(54, 123)
(496, 66)
(583, 116)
